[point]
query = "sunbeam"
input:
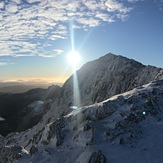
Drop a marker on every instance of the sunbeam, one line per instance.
(76, 92)
(73, 59)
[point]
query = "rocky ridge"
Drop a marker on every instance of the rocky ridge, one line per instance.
(107, 76)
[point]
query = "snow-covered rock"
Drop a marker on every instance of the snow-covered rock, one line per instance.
(125, 128)
(9, 154)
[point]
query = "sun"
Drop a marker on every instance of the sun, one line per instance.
(73, 58)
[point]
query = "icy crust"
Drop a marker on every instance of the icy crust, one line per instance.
(125, 128)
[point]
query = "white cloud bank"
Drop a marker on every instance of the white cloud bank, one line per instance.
(27, 26)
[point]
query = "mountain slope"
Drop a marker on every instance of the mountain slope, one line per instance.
(107, 76)
(14, 108)
(123, 129)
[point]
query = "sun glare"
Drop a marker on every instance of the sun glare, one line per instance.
(73, 58)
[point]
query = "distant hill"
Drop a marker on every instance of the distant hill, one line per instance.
(23, 86)
(19, 88)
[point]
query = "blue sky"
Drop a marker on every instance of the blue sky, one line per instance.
(37, 35)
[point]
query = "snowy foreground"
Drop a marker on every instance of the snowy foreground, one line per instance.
(127, 128)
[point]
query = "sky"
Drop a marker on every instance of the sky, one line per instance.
(37, 35)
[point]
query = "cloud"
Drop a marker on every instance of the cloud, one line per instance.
(104, 17)
(26, 26)
(58, 51)
(114, 6)
(2, 4)
(5, 62)
(17, 1)
(159, 4)
(52, 53)
(11, 8)
(133, 1)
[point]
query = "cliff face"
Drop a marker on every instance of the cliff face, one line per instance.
(108, 76)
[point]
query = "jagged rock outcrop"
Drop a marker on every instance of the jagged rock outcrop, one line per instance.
(107, 76)
(55, 131)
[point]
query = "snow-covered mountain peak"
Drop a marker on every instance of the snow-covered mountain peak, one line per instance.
(107, 76)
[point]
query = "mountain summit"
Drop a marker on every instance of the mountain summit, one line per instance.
(107, 76)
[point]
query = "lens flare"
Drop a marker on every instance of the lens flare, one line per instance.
(144, 113)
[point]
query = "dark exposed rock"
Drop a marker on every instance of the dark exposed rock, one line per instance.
(55, 130)
(102, 112)
(33, 149)
(97, 157)
(121, 141)
(87, 127)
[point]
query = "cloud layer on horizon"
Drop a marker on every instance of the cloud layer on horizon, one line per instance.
(29, 28)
